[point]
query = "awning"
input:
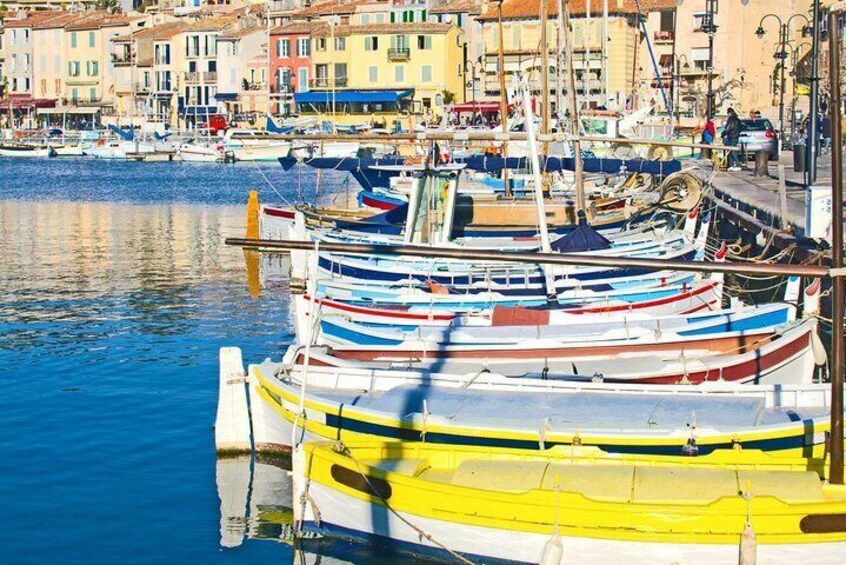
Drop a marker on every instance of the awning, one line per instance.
(23, 101)
(665, 60)
(74, 110)
(226, 96)
(164, 95)
(199, 111)
(346, 96)
(478, 106)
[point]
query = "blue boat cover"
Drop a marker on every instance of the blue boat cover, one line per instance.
(345, 96)
(591, 165)
(273, 128)
(359, 167)
(583, 238)
(125, 134)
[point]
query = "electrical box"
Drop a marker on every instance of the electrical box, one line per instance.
(818, 212)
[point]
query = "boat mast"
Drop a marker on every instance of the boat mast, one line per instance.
(503, 102)
(544, 113)
(559, 65)
(605, 74)
(586, 70)
(574, 112)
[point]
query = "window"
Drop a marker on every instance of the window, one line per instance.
(303, 47)
(57, 64)
(92, 39)
(74, 95)
(373, 73)
(210, 46)
(43, 86)
(668, 21)
(73, 39)
(93, 68)
(380, 18)
(283, 48)
(699, 57)
(321, 44)
(426, 73)
(340, 44)
(399, 42)
(371, 43)
(58, 86)
(27, 86)
(516, 36)
(302, 80)
(365, 19)
(74, 68)
(92, 94)
(399, 74)
(192, 46)
(42, 62)
(340, 74)
(424, 42)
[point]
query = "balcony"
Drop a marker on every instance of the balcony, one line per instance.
(141, 88)
(197, 76)
(326, 82)
(121, 59)
(664, 36)
(399, 54)
(82, 80)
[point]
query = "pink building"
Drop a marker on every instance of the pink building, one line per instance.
(290, 61)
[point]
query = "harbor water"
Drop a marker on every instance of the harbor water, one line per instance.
(116, 292)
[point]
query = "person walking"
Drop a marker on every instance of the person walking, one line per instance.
(708, 135)
(825, 134)
(731, 137)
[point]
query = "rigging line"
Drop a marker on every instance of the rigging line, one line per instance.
(270, 184)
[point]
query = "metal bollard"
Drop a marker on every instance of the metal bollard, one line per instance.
(762, 164)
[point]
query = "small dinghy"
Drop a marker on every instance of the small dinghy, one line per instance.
(24, 150)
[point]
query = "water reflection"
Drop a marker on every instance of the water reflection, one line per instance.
(255, 503)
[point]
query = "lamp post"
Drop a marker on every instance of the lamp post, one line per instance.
(784, 31)
(677, 104)
(813, 152)
(471, 67)
(711, 29)
(797, 49)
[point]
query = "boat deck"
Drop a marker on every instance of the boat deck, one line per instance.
(581, 410)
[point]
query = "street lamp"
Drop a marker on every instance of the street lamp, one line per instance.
(784, 31)
(471, 67)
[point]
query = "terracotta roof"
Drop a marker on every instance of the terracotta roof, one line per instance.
(104, 20)
(162, 33)
(458, 7)
(299, 26)
(418, 27)
(153, 31)
(239, 33)
(34, 19)
(215, 23)
(333, 7)
(529, 9)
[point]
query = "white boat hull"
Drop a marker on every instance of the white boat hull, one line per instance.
(199, 154)
(345, 516)
(270, 152)
(40, 152)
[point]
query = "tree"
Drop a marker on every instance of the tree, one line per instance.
(825, 82)
(110, 6)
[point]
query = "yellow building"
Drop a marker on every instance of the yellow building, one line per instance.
(605, 72)
(384, 72)
(89, 78)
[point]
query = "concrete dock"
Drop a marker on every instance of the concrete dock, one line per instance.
(754, 203)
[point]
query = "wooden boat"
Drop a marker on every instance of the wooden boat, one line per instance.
(24, 150)
(785, 357)
(487, 409)
(680, 299)
(341, 330)
(491, 505)
(199, 153)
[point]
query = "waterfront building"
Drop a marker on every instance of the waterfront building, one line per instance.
(290, 62)
(464, 14)
(133, 58)
(163, 74)
(384, 73)
(605, 80)
(239, 89)
(89, 78)
(746, 68)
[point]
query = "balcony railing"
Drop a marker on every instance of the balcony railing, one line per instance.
(325, 82)
(120, 59)
(664, 36)
(399, 54)
(197, 76)
(142, 88)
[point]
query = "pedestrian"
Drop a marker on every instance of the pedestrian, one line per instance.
(731, 137)
(708, 135)
(825, 134)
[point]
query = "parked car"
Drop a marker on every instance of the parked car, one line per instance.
(759, 135)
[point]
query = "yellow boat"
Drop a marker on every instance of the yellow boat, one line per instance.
(570, 504)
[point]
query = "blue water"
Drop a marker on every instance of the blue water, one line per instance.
(116, 292)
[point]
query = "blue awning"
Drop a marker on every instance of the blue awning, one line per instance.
(346, 96)
(226, 96)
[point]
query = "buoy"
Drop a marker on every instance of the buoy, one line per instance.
(820, 354)
(748, 546)
(811, 301)
(553, 550)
